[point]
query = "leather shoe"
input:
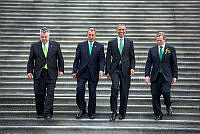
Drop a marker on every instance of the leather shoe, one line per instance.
(113, 116)
(80, 114)
(158, 117)
(91, 116)
(40, 116)
(48, 118)
(169, 110)
(121, 117)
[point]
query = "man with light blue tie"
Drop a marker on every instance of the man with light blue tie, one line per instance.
(163, 73)
(88, 67)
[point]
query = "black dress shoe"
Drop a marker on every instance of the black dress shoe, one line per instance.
(91, 116)
(40, 116)
(121, 117)
(169, 110)
(158, 117)
(113, 116)
(48, 118)
(80, 114)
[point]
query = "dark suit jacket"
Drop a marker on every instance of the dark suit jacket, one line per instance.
(84, 61)
(37, 60)
(168, 64)
(113, 56)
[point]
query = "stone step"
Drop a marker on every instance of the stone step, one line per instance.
(104, 107)
(99, 122)
(95, 4)
(69, 80)
(100, 129)
(144, 18)
(109, 25)
(133, 92)
(55, 31)
(102, 115)
(72, 43)
(21, 71)
(100, 100)
(188, 86)
(48, 22)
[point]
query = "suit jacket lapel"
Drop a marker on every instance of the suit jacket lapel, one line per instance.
(166, 46)
(50, 48)
(87, 48)
(125, 45)
(41, 49)
(93, 48)
(115, 43)
(157, 53)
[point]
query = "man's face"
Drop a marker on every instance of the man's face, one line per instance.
(91, 36)
(160, 40)
(121, 30)
(44, 37)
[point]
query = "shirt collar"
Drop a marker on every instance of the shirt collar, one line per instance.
(162, 46)
(118, 38)
(47, 44)
(89, 42)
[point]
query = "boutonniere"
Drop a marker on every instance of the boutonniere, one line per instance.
(167, 51)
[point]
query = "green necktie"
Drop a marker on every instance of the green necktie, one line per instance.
(45, 54)
(120, 46)
(161, 53)
(90, 48)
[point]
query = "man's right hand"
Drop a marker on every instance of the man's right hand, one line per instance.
(30, 75)
(74, 75)
(108, 76)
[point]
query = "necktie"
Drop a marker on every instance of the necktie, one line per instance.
(161, 52)
(120, 49)
(45, 54)
(90, 48)
(120, 46)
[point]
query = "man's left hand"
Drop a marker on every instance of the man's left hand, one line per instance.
(100, 74)
(132, 72)
(173, 80)
(60, 74)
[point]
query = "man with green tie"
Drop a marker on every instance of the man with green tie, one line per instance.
(45, 64)
(120, 66)
(88, 67)
(164, 72)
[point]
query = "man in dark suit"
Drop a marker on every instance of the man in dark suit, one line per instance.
(44, 65)
(88, 66)
(164, 72)
(120, 66)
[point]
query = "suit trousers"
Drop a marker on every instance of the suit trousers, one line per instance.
(158, 87)
(80, 94)
(44, 93)
(122, 84)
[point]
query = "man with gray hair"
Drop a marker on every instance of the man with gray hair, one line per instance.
(45, 64)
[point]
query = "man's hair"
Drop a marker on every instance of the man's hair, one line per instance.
(44, 30)
(161, 34)
(121, 25)
(91, 29)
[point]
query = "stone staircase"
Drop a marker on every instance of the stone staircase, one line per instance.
(20, 21)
